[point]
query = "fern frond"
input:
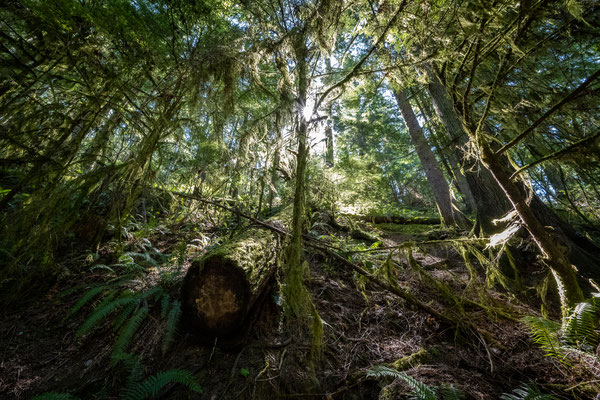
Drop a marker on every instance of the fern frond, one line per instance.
(86, 298)
(545, 334)
(580, 327)
(72, 290)
(123, 315)
(381, 371)
(527, 391)
(104, 267)
(129, 329)
(171, 326)
(155, 292)
(421, 391)
(153, 384)
(102, 312)
(164, 305)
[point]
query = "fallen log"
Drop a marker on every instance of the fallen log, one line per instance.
(222, 287)
(355, 231)
(394, 219)
(455, 321)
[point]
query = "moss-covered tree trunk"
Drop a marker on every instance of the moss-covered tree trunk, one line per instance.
(490, 201)
(491, 197)
(294, 271)
(554, 255)
(221, 288)
(433, 172)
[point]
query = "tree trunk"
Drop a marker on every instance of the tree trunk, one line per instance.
(329, 161)
(294, 271)
(490, 201)
(433, 172)
(453, 164)
(221, 288)
(552, 252)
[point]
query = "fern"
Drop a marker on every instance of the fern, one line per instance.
(580, 327)
(164, 305)
(129, 330)
(102, 312)
(579, 331)
(123, 315)
(171, 326)
(545, 333)
(145, 257)
(86, 298)
(527, 391)
(421, 391)
(381, 371)
(153, 384)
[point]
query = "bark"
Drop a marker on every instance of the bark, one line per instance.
(295, 247)
(221, 289)
(433, 172)
(490, 201)
(453, 163)
(553, 253)
(329, 161)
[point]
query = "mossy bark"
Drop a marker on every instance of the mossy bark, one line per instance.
(222, 287)
(394, 219)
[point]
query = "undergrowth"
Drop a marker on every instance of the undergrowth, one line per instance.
(140, 285)
(128, 296)
(579, 334)
(136, 385)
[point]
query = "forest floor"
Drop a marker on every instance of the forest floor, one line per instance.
(364, 327)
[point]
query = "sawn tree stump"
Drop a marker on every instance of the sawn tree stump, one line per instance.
(222, 287)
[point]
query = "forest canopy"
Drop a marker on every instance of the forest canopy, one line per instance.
(483, 116)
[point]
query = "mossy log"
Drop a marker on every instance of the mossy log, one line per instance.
(221, 288)
(355, 231)
(394, 219)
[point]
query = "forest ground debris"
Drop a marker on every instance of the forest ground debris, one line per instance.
(360, 332)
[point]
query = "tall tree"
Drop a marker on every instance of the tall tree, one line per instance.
(439, 185)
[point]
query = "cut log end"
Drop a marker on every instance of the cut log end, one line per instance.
(216, 295)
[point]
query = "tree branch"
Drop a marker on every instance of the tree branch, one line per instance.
(358, 65)
(583, 142)
(551, 111)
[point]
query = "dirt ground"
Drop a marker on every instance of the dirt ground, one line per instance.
(363, 327)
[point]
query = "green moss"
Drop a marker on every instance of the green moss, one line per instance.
(414, 359)
(408, 229)
(253, 251)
